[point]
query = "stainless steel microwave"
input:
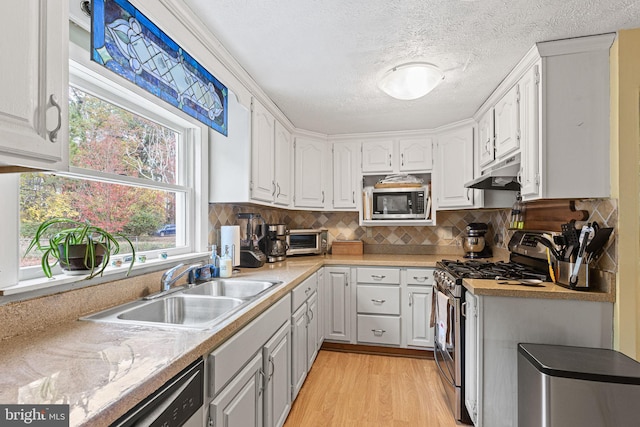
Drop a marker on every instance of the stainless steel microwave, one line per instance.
(307, 242)
(399, 203)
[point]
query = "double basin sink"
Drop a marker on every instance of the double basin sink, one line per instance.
(200, 306)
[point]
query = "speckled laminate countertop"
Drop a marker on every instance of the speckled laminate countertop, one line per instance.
(102, 370)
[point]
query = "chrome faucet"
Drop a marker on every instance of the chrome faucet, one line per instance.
(167, 280)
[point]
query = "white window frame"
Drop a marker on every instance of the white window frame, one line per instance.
(192, 168)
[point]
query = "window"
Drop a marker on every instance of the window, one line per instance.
(136, 167)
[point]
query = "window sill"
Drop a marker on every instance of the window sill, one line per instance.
(32, 288)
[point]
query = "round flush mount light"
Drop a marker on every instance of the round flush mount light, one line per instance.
(411, 81)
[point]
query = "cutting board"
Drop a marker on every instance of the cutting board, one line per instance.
(347, 247)
(549, 215)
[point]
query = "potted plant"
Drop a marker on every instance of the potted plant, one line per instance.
(79, 247)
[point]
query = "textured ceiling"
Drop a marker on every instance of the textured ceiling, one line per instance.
(319, 60)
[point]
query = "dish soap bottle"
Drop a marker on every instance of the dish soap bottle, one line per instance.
(226, 267)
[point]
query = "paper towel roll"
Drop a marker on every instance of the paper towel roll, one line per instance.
(230, 236)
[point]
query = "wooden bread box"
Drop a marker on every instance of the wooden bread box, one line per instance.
(347, 247)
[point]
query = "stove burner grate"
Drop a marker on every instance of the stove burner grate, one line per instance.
(491, 270)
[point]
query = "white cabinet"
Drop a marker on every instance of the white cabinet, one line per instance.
(473, 373)
(34, 104)
(417, 317)
(378, 305)
(506, 123)
(529, 177)
(404, 154)
(493, 328)
(276, 355)
(240, 403)
(304, 330)
(311, 170)
(485, 148)
(322, 295)
(337, 310)
(377, 156)
(454, 167)
(346, 175)
(416, 154)
(270, 158)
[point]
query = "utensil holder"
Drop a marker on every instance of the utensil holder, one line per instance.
(564, 270)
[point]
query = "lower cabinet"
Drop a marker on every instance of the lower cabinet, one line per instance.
(240, 403)
(304, 331)
(276, 355)
(338, 312)
(416, 310)
(249, 376)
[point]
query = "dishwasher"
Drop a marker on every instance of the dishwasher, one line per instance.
(179, 402)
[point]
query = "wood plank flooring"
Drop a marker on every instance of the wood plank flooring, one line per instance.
(348, 389)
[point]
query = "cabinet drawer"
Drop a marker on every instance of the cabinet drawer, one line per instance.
(378, 275)
(379, 329)
(420, 276)
(303, 291)
(375, 299)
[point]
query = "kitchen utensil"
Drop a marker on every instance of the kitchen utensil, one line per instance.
(547, 243)
(537, 283)
(571, 237)
(585, 234)
(598, 243)
(551, 273)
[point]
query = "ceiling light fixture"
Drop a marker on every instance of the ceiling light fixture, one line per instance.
(411, 81)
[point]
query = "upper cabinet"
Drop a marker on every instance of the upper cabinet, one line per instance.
(405, 154)
(553, 110)
(34, 102)
(311, 171)
(270, 158)
(454, 167)
(346, 175)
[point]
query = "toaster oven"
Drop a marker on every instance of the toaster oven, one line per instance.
(307, 242)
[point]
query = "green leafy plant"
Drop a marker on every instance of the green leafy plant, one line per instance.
(57, 237)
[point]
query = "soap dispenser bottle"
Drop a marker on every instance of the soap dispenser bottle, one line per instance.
(226, 266)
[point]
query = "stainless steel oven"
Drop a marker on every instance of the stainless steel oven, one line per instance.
(449, 339)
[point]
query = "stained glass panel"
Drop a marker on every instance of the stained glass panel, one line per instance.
(129, 44)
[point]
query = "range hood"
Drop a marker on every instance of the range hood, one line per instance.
(502, 176)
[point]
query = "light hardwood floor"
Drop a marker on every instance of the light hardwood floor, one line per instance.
(348, 389)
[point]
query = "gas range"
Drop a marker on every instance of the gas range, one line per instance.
(527, 260)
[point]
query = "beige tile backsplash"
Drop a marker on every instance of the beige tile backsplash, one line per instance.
(445, 238)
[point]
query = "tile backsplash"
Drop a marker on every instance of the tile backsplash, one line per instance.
(445, 238)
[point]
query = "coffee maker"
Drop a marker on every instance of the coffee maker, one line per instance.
(252, 228)
(274, 243)
(474, 243)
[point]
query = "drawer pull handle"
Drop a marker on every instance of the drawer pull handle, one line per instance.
(420, 278)
(378, 301)
(378, 332)
(378, 276)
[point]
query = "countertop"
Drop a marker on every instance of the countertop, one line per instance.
(102, 370)
(547, 290)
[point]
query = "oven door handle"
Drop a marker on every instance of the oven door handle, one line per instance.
(444, 375)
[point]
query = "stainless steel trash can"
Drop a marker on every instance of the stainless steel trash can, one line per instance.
(562, 386)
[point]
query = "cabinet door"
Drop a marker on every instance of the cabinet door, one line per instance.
(312, 329)
(299, 323)
(240, 403)
(310, 166)
(34, 42)
(277, 367)
(345, 175)
(529, 176)
(338, 304)
(486, 151)
(419, 333)
(377, 156)
(321, 306)
(506, 123)
(416, 154)
(282, 162)
(454, 167)
(263, 186)
(471, 356)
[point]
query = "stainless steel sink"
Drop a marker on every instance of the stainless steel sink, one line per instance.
(201, 306)
(182, 310)
(233, 288)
